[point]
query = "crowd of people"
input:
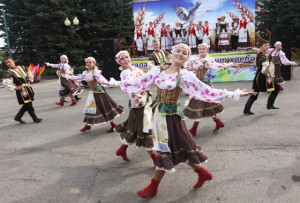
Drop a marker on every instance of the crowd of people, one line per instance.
(157, 126)
(228, 36)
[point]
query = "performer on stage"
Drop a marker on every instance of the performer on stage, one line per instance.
(178, 34)
(66, 88)
(138, 38)
(234, 33)
(217, 34)
(163, 36)
(151, 36)
(196, 109)
(277, 59)
(170, 38)
(263, 81)
(192, 36)
(244, 39)
(172, 141)
(223, 33)
(206, 35)
(18, 78)
(137, 129)
(200, 32)
(99, 107)
(159, 56)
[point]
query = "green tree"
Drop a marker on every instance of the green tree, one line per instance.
(279, 13)
(37, 31)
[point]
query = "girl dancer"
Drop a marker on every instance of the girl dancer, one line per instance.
(99, 108)
(200, 109)
(172, 141)
(137, 128)
(277, 58)
(17, 78)
(65, 87)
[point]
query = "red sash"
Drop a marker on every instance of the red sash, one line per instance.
(192, 31)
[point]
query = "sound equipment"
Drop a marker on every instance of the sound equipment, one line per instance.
(109, 51)
(283, 34)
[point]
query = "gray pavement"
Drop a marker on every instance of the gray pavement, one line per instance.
(253, 159)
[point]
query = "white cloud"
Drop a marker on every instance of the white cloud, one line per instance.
(209, 5)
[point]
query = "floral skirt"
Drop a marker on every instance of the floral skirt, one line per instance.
(131, 131)
(200, 109)
(106, 110)
(182, 145)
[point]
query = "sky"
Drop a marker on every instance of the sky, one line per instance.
(218, 8)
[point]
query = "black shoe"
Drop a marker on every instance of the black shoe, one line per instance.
(77, 98)
(20, 120)
(248, 113)
(272, 107)
(37, 120)
(65, 100)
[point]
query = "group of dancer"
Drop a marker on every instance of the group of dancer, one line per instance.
(158, 126)
(234, 35)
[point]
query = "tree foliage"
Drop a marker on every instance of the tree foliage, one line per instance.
(37, 32)
(279, 13)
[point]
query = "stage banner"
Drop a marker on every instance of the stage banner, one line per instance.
(245, 72)
(239, 17)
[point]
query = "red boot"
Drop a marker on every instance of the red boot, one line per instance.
(122, 152)
(73, 102)
(151, 190)
(113, 125)
(193, 130)
(281, 88)
(85, 128)
(203, 175)
(61, 103)
(219, 124)
(153, 157)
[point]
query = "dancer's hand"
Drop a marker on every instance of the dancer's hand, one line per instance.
(47, 63)
(234, 65)
(294, 63)
(243, 93)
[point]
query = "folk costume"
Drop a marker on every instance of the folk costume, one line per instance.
(100, 108)
(192, 36)
(137, 129)
(164, 38)
(206, 35)
(15, 77)
(151, 36)
(234, 34)
(223, 32)
(244, 39)
(277, 59)
(66, 87)
(172, 141)
(159, 57)
(170, 42)
(196, 109)
(138, 38)
(262, 82)
(178, 35)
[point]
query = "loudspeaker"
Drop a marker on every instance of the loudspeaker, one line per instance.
(109, 51)
(283, 34)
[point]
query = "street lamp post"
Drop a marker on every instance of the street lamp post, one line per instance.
(73, 29)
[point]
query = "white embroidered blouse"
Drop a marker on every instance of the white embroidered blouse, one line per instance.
(139, 98)
(66, 67)
(89, 77)
(189, 83)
